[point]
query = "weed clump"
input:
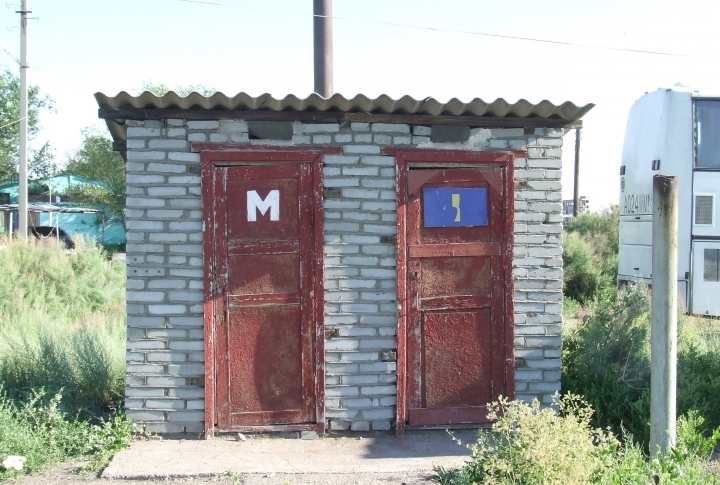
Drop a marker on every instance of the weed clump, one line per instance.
(62, 349)
(533, 445)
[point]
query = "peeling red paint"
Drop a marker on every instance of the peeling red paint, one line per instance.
(263, 267)
(455, 328)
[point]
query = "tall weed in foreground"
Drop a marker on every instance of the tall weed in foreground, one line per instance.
(62, 322)
(62, 348)
(533, 445)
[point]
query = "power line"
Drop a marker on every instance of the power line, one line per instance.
(13, 122)
(455, 31)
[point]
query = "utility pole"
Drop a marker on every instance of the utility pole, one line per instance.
(323, 47)
(23, 176)
(663, 330)
(576, 187)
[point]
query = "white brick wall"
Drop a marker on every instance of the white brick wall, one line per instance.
(164, 255)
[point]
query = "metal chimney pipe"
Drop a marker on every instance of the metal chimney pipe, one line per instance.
(322, 21)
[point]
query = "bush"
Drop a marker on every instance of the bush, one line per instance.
(532, 445)
(529, 444)
(606, 359)
(590, 255)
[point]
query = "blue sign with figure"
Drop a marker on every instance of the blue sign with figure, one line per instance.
(448, 207)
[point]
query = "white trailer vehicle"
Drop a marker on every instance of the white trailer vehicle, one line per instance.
(674, 132)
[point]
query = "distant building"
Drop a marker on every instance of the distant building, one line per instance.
(61, 209)
(569, 208)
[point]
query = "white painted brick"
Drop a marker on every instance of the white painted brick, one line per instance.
(390, 128)
(360, 193)
(342, 391)
(167, 143)
(341, 182)
(360, 426)
(166, 168)
(360, 126)
(197, 137)
(377, 160)
(138, 155)
(144, 202)
(166, 191)
(362, 149)
(232, 126)
(203, 125)
(176, 132)
(343, 138)
(322, 139)
(321, 128)
(507, 132)
(340, 159)
(167, 309)
(361, 171)
(363, 138)
(184, 157)
(137, 132)
(377, 390)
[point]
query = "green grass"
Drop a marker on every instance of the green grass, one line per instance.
(62, 349)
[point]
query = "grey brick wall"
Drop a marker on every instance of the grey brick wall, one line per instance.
(164, 254)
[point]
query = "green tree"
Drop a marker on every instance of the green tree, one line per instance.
(41, 161)
(590, 254)
(159, 89)
(96, 160)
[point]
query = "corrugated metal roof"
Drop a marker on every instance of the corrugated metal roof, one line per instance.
(383, 104)
(499, 113)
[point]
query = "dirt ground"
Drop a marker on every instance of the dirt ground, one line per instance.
(66, 475)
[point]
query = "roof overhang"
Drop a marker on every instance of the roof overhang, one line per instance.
(336, 109)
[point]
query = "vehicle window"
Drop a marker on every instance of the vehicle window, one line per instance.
(712, 265)
(708, 134)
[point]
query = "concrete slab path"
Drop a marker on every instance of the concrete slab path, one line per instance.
(350, 455)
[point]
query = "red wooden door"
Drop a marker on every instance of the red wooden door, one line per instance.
(456, 293)
(265, 331)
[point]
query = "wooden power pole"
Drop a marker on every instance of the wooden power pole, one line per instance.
(576, 187)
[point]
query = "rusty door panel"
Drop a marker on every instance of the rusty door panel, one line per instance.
(264, 273)
(265, 365)
(457, 363)
(264, 258)
(447, 276)
(456, 298)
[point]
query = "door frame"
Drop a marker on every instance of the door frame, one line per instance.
(214, 155)
(404, 159)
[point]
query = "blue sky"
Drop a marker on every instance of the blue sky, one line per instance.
(79, 47)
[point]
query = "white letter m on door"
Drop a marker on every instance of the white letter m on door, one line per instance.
(255, 203)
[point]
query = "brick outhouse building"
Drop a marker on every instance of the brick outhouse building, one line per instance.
(299, 264)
